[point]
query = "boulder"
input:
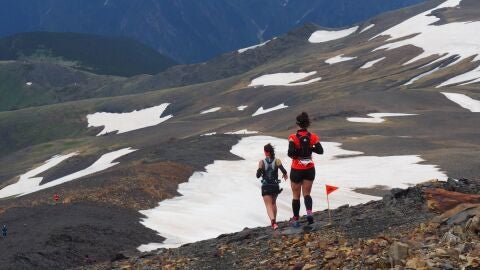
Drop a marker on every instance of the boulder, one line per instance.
(441, 200)
(459, 214)
(473, 225)
(450, 239)
(416, 263)
(398, 251)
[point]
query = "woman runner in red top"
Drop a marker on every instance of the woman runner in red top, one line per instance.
(301, 145)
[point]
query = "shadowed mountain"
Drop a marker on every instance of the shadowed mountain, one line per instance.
(188, 31)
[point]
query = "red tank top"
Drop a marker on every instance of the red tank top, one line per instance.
(299, 164)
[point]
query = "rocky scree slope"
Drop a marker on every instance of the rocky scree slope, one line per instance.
(435, 225)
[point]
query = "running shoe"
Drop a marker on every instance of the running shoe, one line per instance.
(274, 226)
(294, 222)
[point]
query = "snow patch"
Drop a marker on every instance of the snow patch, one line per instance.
(194, 215)
(325, 35)
(456, 38)
(28, 183)
(241, 132)
(465, 101)
(284, 79)
(255, 46)
(338, 59)
(469, 77)
(209, 134)
(367, 28)
(371, 63)
(376, 118)
(422, 75)
(241, 108)
(261, 110)
(211, 110)
(125, 122)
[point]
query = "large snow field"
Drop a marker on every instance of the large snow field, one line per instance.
(227, 197)
(456, 38)
(284, 79)
(338, 59)
(125, 122)
(29, 183)
(465, 101)
(261, 110)
(325, 35)
(376, 118)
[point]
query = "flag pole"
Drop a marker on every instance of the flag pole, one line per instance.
(329, 214)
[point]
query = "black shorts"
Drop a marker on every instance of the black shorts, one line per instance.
(271, 189)
(297, 176)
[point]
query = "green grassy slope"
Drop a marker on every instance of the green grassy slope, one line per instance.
(97, 54)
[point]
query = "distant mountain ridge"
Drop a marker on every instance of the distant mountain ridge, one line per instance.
(188, 31)
(97, 54)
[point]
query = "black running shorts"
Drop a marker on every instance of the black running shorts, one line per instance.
(297, 176)
(271, 189)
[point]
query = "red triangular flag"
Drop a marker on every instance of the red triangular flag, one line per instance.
(330, 189)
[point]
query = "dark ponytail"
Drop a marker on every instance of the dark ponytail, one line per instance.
(269, 148)
(303, 121)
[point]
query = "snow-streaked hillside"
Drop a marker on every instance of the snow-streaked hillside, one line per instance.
(444, 39)
(419, 63)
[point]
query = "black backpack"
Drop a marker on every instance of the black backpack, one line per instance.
(305, 151)
(269, 167)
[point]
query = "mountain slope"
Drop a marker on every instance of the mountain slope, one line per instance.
(97, 54)
(34, 83)
(28, 84)
(187, 31)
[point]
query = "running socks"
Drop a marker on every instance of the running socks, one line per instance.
(296, 208)
(273, 221)
(308, 203)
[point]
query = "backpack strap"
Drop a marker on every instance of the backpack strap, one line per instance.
(309, 135)
(267, 164)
